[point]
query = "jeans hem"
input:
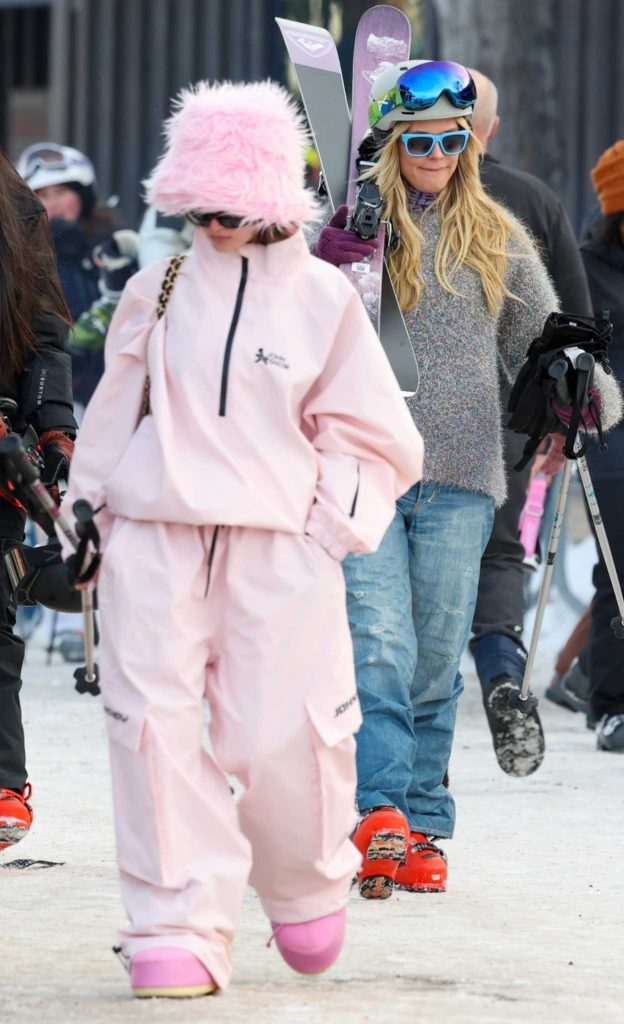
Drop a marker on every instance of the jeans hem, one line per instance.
(363, 811)
(429, 830)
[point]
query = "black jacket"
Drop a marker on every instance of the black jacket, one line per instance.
(543, 213)
(604, 264)
(43, 393)
(43, 389)
(78, 274)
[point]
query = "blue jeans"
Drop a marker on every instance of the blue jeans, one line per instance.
(410, 608)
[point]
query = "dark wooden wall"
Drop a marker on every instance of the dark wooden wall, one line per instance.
(110, 68)
(559, 67)
(117, 63)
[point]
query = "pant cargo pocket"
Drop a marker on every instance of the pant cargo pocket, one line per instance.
(333, 721)
(141, 840)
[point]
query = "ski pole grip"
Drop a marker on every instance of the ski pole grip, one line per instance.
(85, 525)
(15, 465)
(83, 511)
(585, 362)
(557, 369)
(585, 365)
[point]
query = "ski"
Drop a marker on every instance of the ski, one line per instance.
(315, 60)
(383, 36)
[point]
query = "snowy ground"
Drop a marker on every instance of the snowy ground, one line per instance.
(531, 928)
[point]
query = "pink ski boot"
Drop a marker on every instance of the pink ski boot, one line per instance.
(169, 971)
(311, 946)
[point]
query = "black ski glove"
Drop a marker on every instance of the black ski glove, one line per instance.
(57, 450)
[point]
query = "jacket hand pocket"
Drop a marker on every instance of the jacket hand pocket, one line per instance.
(315, 545)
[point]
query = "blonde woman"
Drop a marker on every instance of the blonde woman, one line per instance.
(474, 294)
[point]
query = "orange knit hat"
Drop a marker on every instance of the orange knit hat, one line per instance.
(608, 179)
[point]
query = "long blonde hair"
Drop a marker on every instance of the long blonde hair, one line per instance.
(474, 229)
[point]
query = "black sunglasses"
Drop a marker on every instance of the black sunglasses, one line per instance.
(226, 220)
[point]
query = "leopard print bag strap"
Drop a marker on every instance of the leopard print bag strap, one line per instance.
(166, 290)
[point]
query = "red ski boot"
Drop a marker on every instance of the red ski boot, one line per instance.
(15, 815)
(381, 837)
(424, 869)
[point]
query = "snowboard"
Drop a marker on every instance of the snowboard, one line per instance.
(315, 60)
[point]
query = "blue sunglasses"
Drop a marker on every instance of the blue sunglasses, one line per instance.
(421, 144)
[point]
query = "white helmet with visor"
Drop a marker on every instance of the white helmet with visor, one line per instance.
(420, 90)
(47, 163)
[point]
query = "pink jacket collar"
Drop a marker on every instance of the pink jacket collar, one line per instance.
(277, 260)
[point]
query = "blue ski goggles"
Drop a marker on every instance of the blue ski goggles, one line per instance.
(419, 144)
(420, 87)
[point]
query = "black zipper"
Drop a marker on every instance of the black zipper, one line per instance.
(356, 495)
(230, 337)
(211, 554)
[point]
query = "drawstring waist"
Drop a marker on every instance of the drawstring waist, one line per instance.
(210, 550)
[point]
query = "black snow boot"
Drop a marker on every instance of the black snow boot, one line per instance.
(610, 734)
(571, 691)
(518, 738)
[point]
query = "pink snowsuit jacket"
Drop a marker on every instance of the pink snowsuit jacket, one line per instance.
(273, 405)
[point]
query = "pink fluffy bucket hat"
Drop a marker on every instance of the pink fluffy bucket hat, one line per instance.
(235, 148)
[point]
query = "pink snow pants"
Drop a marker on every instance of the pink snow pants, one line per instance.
(256, 622)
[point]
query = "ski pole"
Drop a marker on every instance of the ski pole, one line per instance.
(583, 363)
(525, 701)
(617, 623)
(21, 471)
(87, 678)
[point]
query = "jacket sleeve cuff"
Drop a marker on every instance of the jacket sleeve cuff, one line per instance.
(336, 538)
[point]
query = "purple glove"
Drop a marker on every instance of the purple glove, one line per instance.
(337, 246)
(588, 412)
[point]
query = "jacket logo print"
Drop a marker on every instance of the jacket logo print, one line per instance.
(271, 359)
(41, 386)
(117, 715)
(340, 710)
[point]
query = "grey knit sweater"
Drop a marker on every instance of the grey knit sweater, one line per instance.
(462, 351)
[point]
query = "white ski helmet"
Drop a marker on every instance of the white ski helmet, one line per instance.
(47, 163)
(401, 92)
